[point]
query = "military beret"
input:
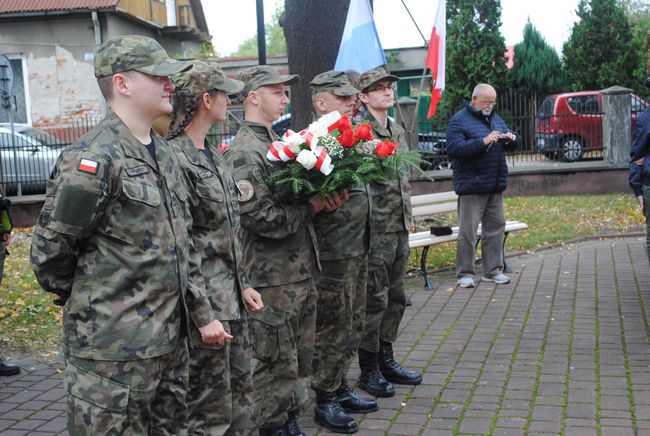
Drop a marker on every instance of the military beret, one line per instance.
(204, 77)
(373, 76)
(135, 52)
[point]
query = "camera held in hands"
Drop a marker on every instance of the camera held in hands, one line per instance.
(503, 136)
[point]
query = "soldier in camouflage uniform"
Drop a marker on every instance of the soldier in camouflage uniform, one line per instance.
(389, 249)
(113, 244)
(220, 375)
(343, 244)
(280, 257)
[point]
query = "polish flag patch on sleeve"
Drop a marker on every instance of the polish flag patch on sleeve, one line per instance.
(88, 166)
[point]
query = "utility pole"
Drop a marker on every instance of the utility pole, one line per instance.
(261, 36)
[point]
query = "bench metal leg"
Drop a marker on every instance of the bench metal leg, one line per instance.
(423, 267)
(506, 268)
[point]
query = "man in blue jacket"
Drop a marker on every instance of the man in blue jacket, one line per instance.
(640, 167)
(477, 139)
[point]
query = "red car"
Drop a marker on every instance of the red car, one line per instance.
(570, 124)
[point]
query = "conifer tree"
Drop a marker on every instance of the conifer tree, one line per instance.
(598, 53)
(537, 67)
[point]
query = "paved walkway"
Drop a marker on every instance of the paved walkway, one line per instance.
(563, 349)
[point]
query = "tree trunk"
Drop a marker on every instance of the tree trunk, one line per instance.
(313, 30)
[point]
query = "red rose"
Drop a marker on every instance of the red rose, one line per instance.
(386, 148)
(344, 123)
(364, 132)
(347, 139)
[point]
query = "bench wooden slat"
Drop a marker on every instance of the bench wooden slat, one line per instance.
(434, 209)
(440, 197)
(422, 239)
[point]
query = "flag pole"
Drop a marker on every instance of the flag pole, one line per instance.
(424, 70)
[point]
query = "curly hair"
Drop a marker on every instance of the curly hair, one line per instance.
(184, 109)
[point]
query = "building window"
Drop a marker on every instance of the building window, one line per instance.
(22, 113)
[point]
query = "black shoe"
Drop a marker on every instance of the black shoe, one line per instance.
(273, 431)
(351, 402)
(291, 427)
(7, 369)
(371, 379)
(328, 412)
(393, 371)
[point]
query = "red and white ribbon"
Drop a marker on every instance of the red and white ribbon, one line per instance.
(323, 161)
(280, 152)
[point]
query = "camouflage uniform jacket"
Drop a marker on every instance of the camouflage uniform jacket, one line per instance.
(390, 209)
(216, 229)
(113, 240)
(279, 240)
(343, 233)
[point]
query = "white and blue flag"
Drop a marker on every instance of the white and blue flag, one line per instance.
(360, 48)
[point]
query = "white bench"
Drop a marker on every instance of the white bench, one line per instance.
(440, 204)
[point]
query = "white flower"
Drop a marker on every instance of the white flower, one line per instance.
(307, 159)
(293, 140)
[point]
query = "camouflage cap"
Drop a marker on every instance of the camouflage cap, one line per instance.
(373, 76)
(204, 77)
(135, 52)
(263, 75)
(335, 82)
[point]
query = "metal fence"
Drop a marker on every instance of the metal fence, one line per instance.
(568, 127)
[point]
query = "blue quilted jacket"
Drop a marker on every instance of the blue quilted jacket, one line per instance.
(478, 168)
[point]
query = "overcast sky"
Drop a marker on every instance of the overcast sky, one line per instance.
(231, 22)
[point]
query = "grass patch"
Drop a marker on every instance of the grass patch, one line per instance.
(29, 321)
(552, 220)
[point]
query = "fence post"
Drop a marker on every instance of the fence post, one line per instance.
(617, 124)
(408, 119)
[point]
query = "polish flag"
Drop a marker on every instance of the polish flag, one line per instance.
(436, 56)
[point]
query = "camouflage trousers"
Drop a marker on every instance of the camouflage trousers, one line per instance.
(385, 298)
(133, 397)
(219, 397)
(646, 212)
(340, 314)
(282, 336)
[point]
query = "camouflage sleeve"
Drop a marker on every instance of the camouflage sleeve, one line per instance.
(74, 202)
(198, 304)
(260, 214)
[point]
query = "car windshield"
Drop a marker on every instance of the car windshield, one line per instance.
(546, 109)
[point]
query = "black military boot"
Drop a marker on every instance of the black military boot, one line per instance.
(291, 427)
(351, 402)
(328, 412)
(273, 431)
(393, 371)
(7, 369)
(371, 380)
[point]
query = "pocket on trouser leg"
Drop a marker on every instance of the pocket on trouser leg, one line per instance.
(264, 340)
(96, 405)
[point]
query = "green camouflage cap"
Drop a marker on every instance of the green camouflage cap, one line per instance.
(370, 77)
(135, 52)
(204, 77)
(263, 75)
(335, 82)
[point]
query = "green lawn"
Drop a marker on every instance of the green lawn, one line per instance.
(28, 320)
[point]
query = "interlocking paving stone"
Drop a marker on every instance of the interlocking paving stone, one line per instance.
(562, 348)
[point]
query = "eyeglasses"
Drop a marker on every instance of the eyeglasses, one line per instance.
(381, 88)
(489, 103)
